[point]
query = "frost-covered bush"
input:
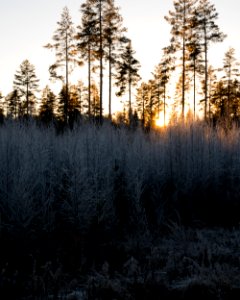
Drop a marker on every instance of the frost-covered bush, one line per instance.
(117, 178)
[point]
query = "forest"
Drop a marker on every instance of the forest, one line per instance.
(98, 205)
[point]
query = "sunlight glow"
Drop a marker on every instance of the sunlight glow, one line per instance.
(160, 120)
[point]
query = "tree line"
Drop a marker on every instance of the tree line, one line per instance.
(100, 42)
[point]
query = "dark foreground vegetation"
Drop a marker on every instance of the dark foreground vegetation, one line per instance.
(108, 212)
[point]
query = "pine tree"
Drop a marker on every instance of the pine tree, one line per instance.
(73, 104)
(194, 50)
(142, 99)
(207, 15)
(113, 35)
(180, 21)
(26, 83)
(99, 7)
(87, 41)
(65, 47)
(96, 101)
(152, 105)
(148, 102)
(212, 82)
(1, 109)
(231, 70)
(225, 98)
(161, 75)
(47, 106)
(127, 74)
(82, 91)
(13, 103)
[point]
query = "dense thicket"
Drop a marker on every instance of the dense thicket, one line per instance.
(96, 196)
(114, 175)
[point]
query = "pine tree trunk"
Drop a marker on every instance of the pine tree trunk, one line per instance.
(183, 63)
(194, 88)
(110, 84)
(143, 113)
(27, 99)
(130, 99)
(67, 84)
(101, 61)
(206, 72)
(89, 82)
(164, 103)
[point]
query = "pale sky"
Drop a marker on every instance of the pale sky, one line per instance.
(27, 25)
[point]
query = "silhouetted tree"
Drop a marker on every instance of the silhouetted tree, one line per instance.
(127, 74)
(212, 81)
(231, 70)
(113, 35)
(194, 50)
(73, 104)
(87, 41)
(226, 96)
(99, 7)
(148, 102)
(180, 21)
(47, 107)
(1, 109)
(142, 99)
(65, 47)
(26, 83)
(162, 76)
(95, 101)
(13, 103)
(82, 91)
(209, 31)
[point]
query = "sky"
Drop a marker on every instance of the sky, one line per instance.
(28, 25)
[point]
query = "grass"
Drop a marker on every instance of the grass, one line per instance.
(112, 213)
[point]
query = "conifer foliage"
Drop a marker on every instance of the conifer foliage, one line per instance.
(65, 47)
(26, 83)
(127, 74)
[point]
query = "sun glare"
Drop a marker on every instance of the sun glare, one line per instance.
(160, 122)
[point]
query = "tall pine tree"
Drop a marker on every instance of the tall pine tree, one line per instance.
(65, 47)
(113, 37)
(180, 21)
(209, 32)
(87, 41)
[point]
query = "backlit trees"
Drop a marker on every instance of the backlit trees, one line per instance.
(209, 32)
(65, 47)
(26, 83)
(127, 74)
(180, 21)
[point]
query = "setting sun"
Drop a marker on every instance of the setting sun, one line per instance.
(160, 122)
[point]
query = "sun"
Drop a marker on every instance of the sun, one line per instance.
(160, 122)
